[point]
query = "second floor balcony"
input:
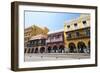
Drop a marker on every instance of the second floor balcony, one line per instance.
(54, 39)
(78, 35)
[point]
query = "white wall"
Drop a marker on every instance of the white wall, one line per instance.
(5, 28)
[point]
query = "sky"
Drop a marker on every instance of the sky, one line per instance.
(52, 20)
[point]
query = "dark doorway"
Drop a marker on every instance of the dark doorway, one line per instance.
(89, 47)
(55, 49)
(25, 51)
(72, 47)
(36, 50)
(81, 47)
(42, 50)
(49, 49)
(89, 44)
(61, 49)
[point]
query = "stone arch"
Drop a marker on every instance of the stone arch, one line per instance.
(88, 44)
(25, 50)
(32, 51)
(72, 47)
(81, 46)
(61, 48)
(55, 48)
(29, 50)
(49, 49)
(36, 50)
(42, 49)
(89, 47)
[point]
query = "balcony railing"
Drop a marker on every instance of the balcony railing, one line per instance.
(55, 40)
(77, 37)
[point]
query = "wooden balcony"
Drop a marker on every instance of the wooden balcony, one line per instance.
(54, 40)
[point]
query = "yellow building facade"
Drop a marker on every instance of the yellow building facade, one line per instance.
(77, 34)
(33, 31)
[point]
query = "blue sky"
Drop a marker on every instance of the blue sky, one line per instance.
(52, 20)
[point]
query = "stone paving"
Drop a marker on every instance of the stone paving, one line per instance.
(55, 56)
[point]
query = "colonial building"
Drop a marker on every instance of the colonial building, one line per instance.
(37, 44)
(78, 34)
(34, 38)
(74, 38)
(33, 31)
(55, 42)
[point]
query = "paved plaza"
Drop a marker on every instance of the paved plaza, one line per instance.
(55, 56)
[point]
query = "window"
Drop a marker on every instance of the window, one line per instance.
(49, 37)
(84, 22)
(31, 42)
(39, 42)
(28, 45)
(35, 42)
(58, 36)
(77, 34)
(43, 42)
(88, 32)
(75, 24)
(52, 36)
(68, 35)
(68, 26)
